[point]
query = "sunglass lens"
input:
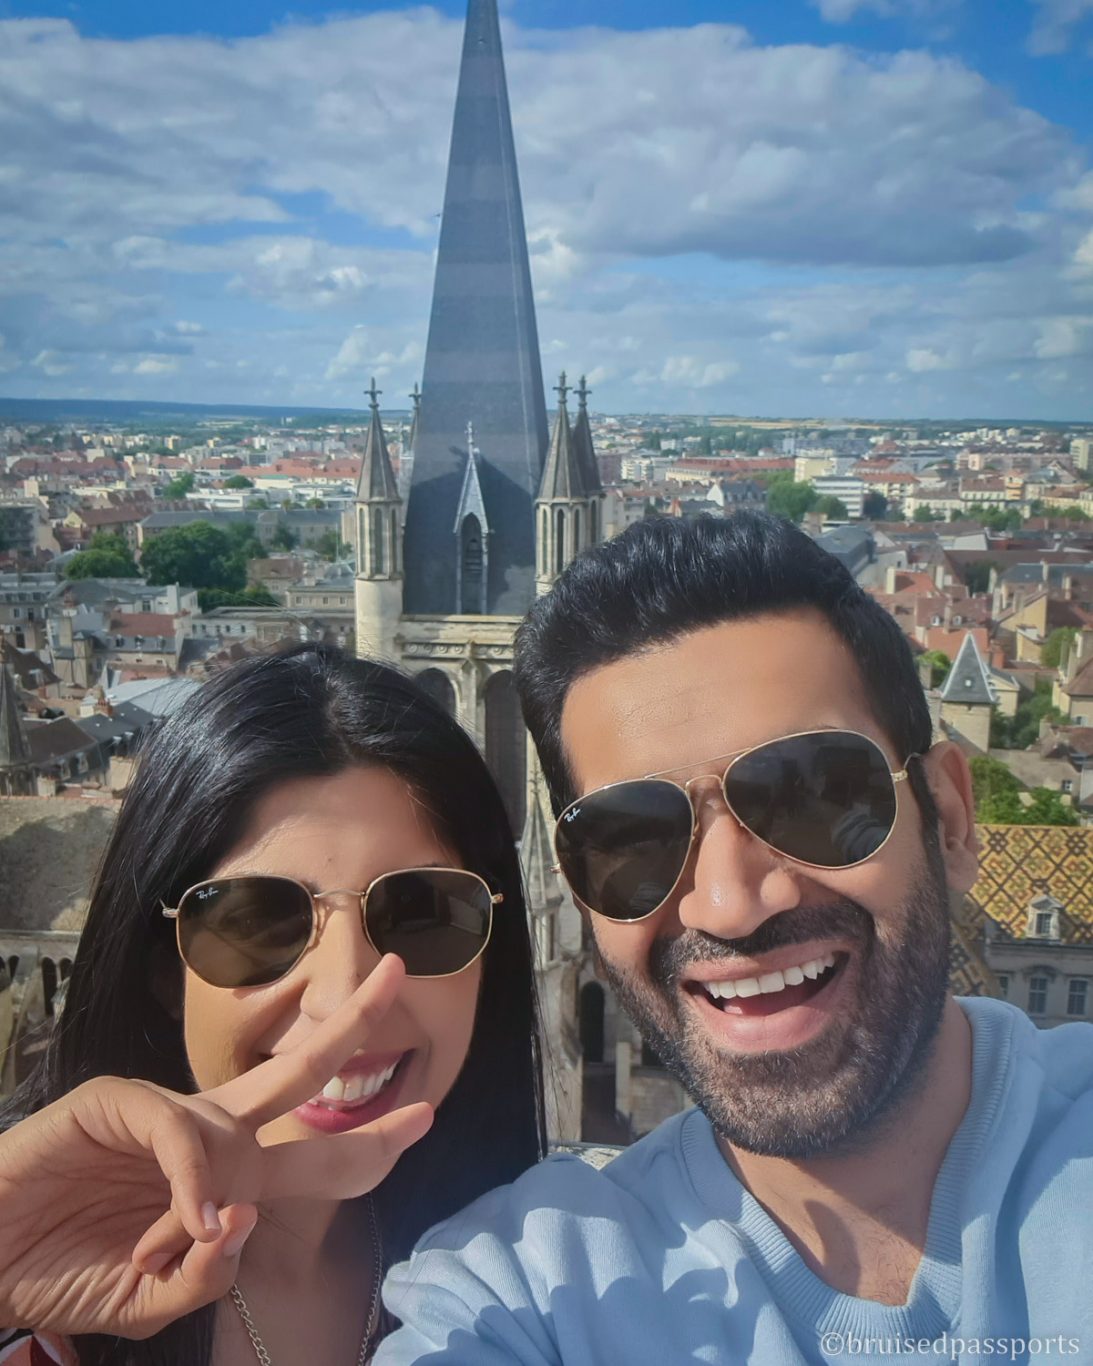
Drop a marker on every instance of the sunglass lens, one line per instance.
(244, 931)
(623, 848)
(437, 921)
(825, 798)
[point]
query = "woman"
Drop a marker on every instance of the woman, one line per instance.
(231, 968)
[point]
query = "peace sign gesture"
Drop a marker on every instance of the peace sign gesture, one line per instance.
(125, 1205)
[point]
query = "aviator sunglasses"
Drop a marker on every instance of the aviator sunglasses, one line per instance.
(824, 798)
(252, 930)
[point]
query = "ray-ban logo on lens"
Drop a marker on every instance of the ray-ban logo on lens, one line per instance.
(573, 814)
(207, 894)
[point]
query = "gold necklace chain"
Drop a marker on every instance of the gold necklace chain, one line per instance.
(373, 1306)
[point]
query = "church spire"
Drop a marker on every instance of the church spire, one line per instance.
(582, 439)
(563, 473)
(482, 358)
(377, 479)
(568, 508)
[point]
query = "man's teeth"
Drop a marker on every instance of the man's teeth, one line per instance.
(770, 981)
(359, 1088)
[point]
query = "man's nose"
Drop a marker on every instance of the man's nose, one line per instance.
(340, 958)
(733, 882)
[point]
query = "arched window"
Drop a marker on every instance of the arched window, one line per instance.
(379, 558)
(362, 542)
(395, 559)
(593, 519)
(559, 541)
(472, 585)
(591, 1022)
(506, 746)
(544, 541)
(437, 684)
(576, 530)
(49, 983)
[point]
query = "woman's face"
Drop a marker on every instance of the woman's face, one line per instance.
(336, 832)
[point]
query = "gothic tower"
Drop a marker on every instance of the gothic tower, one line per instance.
(16, 774)
(568, 508)
(379, 544)
(476, 450)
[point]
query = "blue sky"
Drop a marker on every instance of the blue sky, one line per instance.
(875, 208)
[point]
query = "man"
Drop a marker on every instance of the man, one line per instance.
(765, 842)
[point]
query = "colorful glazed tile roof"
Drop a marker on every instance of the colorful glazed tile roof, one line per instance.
(1018, 863)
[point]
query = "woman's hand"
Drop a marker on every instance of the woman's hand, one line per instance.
(124, 1206)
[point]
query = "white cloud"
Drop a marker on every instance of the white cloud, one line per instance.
(843, 11)
(139, 180)
(1055, 23)
(688, 372)
(51, 363)
(155, 365)
(921, 359)
(1061, 338)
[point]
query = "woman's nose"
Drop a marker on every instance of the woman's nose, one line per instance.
(340, 958)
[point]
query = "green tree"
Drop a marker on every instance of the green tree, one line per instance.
(238, 481)
(1000, 519)
(991, 778)
(874, 506)
(1051, 655)
(106, 557)
(330, 546)
(1047, 808)
(199, 555)
(284, 539)
(315, 503)
(925, 513)
(977, 576)
(939, 663)
(255, 596)
(830, 506)
(1023, 729)
(180, 486)
(787, 498)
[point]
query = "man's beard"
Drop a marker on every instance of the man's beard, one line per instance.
(829, 1094)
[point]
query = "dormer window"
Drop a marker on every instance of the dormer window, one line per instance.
(1043, 918)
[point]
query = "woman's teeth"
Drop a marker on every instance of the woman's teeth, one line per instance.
(337, 1094)
(770, 981)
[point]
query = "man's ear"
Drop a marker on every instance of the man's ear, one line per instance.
(950, 782)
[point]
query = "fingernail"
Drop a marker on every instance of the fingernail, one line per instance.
(153, 1265)
(210, 1217)
(233, 1246)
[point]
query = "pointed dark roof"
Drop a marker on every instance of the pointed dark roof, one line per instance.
(482, 358)
(968, 680)
(471, 503)
(586, 447)
(563, 473)
(415, 399)
(376, 483)
(14, 752)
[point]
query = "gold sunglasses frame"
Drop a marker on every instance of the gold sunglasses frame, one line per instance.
(495, 899)
(898, 775)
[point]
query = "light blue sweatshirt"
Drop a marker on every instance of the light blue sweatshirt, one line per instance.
(664, 1257)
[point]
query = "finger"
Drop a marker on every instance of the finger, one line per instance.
(343, 1167)
(205, 1271)
(178, 1148)
(165, 1240)
(275, 1087)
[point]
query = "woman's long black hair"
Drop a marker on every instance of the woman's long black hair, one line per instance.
(308, 711)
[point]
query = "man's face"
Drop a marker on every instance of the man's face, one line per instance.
(863, 952)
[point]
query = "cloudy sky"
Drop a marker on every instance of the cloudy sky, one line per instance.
(798, 207)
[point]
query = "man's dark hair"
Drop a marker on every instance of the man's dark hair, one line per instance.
(665, 577)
